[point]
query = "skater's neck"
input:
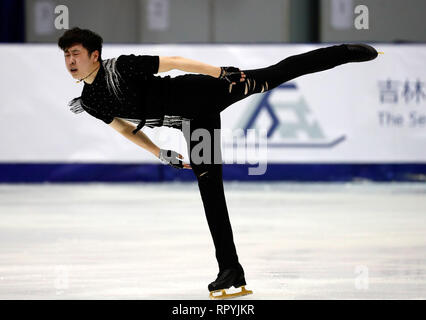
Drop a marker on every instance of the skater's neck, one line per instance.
(92, 75)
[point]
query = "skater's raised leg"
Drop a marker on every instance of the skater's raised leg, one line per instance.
(313, 61)
(264, 79)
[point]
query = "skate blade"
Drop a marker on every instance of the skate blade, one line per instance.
(224, 295)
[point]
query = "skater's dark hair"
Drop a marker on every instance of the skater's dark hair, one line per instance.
(88, 39)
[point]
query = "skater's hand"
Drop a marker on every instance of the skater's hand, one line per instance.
(232, 75)
(172, 158)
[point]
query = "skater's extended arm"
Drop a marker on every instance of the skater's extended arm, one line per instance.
(188, 65)
(141, 139)
(231, 74)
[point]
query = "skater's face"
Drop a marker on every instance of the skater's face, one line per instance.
(78, 61)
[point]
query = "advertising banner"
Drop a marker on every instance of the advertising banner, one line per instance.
(371, 112)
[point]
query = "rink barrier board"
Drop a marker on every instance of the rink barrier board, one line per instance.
(132, 172)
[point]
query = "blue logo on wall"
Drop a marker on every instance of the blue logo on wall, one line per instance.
(290, 121)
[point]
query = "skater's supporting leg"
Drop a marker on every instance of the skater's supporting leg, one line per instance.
(210, 183)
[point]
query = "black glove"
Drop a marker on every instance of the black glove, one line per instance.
(232, 75)
(171, 158)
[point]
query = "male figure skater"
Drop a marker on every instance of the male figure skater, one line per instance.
(122, 91)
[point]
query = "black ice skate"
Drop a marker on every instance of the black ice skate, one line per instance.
(361, 52)
(233, 277)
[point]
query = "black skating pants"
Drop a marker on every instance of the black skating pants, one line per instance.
(202, 98)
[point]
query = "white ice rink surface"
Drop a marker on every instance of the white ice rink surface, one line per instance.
(151, 241)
